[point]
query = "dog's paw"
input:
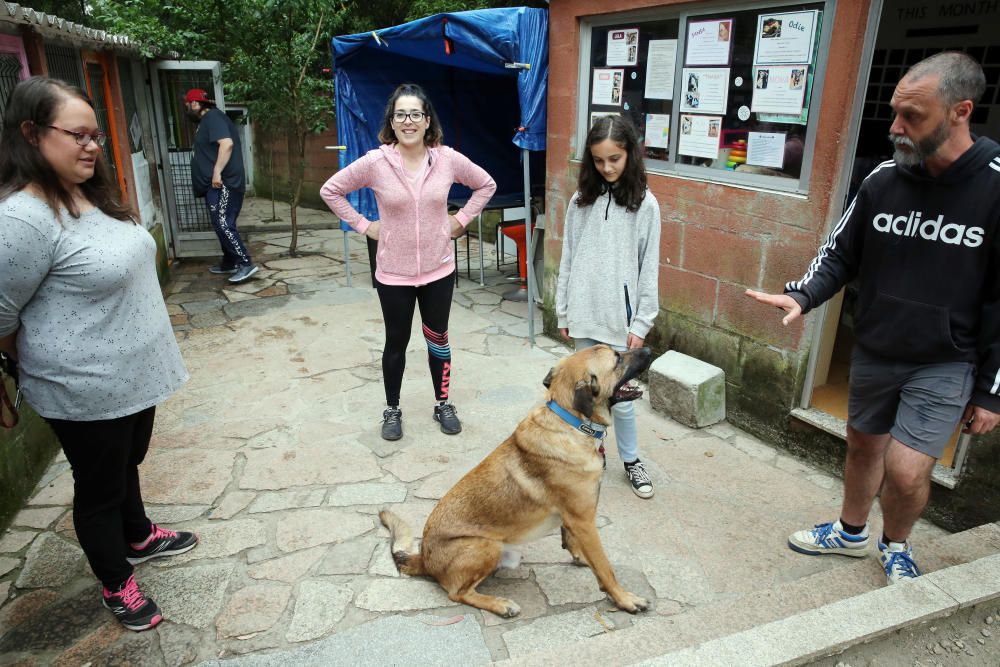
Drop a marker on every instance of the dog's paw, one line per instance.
(632, 603)
(511, 610)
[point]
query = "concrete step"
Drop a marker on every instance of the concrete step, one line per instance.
(652, 637)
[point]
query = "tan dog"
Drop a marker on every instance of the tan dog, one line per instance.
(547, 473)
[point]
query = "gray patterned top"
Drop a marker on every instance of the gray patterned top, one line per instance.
(95, 341)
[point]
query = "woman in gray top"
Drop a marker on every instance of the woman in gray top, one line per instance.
(81, 311)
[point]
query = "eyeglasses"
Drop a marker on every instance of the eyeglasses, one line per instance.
(415, 116)
(84, 138)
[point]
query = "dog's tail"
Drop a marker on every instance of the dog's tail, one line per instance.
(406, 560)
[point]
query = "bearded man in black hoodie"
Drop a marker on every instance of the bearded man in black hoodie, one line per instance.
(923, 236)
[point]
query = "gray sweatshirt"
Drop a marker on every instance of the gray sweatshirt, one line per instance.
(95, 340)
(608, 275)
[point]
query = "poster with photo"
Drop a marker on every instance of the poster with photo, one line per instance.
(606, 88)
(766, 149)
(594, 115)
(705, 89)
(699, 136)
(709, 42)
(660, 63)
(657, 130)
(623, 47)
(779, 89)
(785, 38)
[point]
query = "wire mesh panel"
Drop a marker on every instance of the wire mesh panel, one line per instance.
(134, 125)
(10, 74)
(95, 74)
(64, 64)
(192, 213)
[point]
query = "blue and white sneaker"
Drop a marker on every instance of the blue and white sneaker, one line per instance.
(243, 273)
(897, 561)
(829, 538)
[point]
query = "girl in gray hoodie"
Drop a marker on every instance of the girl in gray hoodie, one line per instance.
(607, 289)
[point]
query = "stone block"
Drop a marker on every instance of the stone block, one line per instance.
(688, 390)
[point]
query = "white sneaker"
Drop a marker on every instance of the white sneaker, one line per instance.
(897, 561)
(829, 538)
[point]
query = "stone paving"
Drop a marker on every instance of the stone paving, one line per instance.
(271, 453)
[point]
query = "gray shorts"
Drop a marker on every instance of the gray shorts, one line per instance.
(918, 404)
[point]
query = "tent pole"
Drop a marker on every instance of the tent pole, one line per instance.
(529, 233)
(347, 259)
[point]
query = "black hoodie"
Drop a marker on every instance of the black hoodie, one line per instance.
(927, 251)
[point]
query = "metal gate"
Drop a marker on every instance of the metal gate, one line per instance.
(191, 230)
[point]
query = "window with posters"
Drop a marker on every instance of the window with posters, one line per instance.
(723, 96)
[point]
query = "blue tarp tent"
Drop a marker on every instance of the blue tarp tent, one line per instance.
(486, 73)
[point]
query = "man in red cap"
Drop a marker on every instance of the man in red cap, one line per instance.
(217, 174)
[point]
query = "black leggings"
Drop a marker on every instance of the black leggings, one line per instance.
(397, 311)
(107, 504)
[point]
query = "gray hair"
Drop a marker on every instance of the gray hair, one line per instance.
(962, 77)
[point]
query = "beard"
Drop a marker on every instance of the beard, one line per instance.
(919, 151)
(193, 115)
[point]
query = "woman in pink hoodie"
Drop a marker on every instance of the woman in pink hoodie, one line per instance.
(411, 175)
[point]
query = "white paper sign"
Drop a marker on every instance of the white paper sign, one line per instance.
(657, 130)
(607, 87)
(623, 47)
(785, 38)
(766, 149)
(699, 136)
(779, 89)
(705, 90)
(708, 42)
(660, 63)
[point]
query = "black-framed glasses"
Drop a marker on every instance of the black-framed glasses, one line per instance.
(401, 116)
(84, 138)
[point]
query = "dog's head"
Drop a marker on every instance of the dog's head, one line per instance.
(592, 380)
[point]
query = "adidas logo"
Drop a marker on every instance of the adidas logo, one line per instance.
(931, 229)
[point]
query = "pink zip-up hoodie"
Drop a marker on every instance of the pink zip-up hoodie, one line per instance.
(414, 244)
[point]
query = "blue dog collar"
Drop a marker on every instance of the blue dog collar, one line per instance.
(589, 428)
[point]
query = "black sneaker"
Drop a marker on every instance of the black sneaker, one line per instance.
(220, 269)
(162, 542)
(392, 424)
(132, 609)
(642, 485)
(445, 413)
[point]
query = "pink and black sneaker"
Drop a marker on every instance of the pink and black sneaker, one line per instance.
(132, 609)
(161, 542)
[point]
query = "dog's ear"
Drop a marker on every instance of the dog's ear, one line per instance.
(583, 398)
(548, 378)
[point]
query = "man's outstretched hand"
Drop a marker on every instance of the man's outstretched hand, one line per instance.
(782, 301)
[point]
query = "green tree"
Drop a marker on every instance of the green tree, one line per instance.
(278, 70)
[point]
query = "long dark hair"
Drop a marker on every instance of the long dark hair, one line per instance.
(433, 135)
(33, 105)
(630, 188)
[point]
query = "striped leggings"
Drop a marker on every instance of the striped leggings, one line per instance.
(398, 303)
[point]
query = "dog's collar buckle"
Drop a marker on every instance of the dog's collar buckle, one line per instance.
(584, 427)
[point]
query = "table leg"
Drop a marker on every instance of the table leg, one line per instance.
(482, 272)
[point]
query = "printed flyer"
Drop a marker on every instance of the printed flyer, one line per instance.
(699, 136)
(607, 87)
(708, 42)
(779, 89)
(705, 89)
(623, 47)
(785, 38)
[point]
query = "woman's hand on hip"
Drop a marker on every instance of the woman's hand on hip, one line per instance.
(373, 230)
(457, 228)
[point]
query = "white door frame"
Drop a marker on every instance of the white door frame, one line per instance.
(185, 243)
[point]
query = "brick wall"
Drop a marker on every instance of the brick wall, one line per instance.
(718, 240)
(320, 165)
